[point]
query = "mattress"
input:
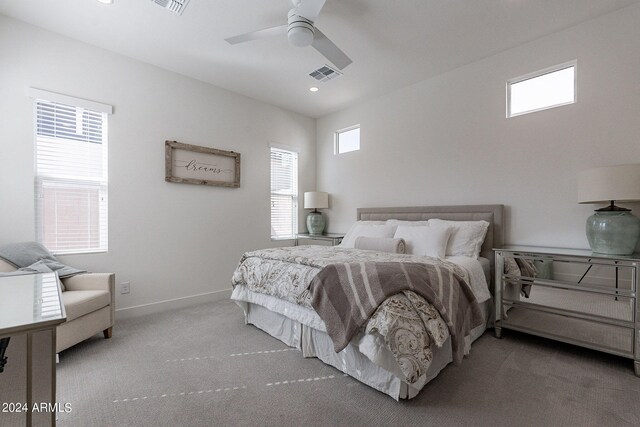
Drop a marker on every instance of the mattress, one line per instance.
(486, 268)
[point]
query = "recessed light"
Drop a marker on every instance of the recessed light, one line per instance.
(313, 89)
(106, 1)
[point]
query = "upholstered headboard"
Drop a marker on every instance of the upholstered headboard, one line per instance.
(493, 214)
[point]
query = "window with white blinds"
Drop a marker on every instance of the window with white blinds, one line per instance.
(284, 194)
(71, 182)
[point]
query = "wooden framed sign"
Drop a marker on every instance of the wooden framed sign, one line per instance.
(192, 164)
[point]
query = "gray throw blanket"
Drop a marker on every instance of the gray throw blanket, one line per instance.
(34, 257)
(346, 295)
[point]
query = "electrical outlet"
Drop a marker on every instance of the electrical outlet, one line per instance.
(125, 287)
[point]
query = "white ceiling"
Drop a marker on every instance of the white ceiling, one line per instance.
(392, 43)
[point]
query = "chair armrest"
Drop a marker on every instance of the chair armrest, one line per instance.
(91, 282)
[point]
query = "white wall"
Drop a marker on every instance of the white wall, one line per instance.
(169, 240)
(446, 140)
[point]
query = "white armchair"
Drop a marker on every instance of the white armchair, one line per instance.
(89, 302)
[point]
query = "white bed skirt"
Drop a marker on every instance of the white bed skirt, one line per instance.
(366, 358)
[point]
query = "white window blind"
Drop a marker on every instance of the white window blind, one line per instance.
(71, 182)
(284, 194)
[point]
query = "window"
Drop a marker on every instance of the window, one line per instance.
(284, 194)
(71, 180)
(544, 89)
(347, 140)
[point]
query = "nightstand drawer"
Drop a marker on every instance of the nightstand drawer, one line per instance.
(328, 239)
(588, 273)
(600, 336)
(575, 302)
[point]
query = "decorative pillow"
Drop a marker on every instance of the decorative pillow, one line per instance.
(425, 240)
(466, 236)
(367, 229)
(381, 244)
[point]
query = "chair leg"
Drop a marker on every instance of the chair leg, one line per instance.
(108, 333)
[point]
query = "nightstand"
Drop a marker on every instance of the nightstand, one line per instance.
(333, 238)
(576, 296)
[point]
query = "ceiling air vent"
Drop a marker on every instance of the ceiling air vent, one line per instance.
(325, 73)
(175, 6)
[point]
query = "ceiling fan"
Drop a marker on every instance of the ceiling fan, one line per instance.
(301, 32)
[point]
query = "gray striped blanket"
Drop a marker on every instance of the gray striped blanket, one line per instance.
(346, 295)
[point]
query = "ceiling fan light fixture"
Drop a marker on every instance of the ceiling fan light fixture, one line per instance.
(299, 30)
(300, 36)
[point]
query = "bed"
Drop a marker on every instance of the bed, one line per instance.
(369, 357)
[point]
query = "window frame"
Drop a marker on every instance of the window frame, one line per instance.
(295, 197)
(565, 65)
(42, 180)
(336, 139)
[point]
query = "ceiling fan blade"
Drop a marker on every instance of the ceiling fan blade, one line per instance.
(260, 34)
(329, 50)
(309, 9)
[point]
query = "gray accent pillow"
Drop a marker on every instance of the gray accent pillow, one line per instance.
(381, 244)
(26, 254)
(38, 267)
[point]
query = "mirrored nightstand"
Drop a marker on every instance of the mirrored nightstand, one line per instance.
(570, 295)
(328, 239)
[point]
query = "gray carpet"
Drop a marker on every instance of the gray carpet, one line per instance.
(202, 366)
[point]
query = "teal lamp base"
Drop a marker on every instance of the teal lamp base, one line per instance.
(315, 223)
(613, 232)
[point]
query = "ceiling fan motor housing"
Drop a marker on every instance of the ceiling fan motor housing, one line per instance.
(299, 30)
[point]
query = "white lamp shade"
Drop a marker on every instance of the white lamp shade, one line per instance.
(617, 183)
(316, 200)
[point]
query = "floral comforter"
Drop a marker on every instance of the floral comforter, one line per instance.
(409, 325)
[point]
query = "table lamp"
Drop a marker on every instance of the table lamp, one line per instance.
(611, 230)
(315, 220)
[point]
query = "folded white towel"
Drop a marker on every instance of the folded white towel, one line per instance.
(381, 244)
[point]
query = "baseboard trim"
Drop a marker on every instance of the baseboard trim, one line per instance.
(158, 306)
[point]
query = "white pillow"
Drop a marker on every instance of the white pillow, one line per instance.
(355, 224)
(366, 229)
(398, 222)
(466, 236)
(425, 240)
